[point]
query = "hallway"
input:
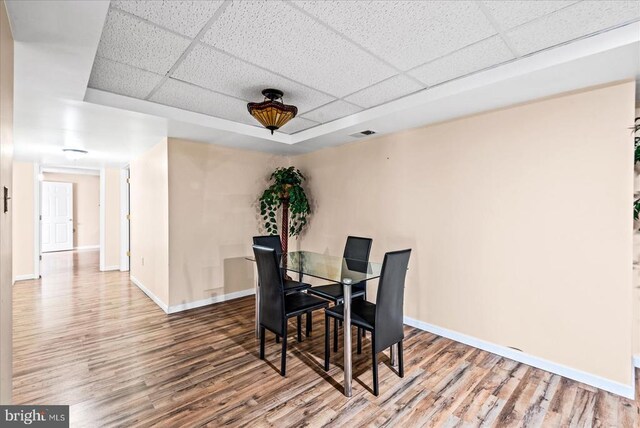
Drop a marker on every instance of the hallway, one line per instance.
(67, 264)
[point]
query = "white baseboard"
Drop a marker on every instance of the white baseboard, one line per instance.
(627, 391)
(636, 361)
(87, 247)
(190, 305)
(25, 277)
(148, 292)
(214, 299)
(108, 268)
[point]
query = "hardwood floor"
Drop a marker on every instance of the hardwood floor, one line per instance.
(94, 341)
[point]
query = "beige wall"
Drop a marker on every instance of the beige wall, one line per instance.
(112, 219)
(213, 193)
(6, 158)
(149, 208)
(516, 219)
(23, 212)
(519, 221)
(86, 206)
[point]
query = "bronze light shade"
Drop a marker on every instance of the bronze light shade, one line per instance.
(270, 113)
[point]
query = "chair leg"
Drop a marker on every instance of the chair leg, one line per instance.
(308, 332)
(335, 335)
(326, 342)
(374, 357)
(283, 358)
(262, 342)
(400, 360)
(364, 297)
(299, 319)
(359, 341)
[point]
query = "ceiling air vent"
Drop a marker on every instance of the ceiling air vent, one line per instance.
(362, 133)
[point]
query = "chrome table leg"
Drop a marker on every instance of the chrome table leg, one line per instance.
(346, 286)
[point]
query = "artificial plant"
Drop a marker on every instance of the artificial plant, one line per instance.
(636, 157)
(636, 130)
(285, 192)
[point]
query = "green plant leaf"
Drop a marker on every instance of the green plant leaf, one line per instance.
(285, 182)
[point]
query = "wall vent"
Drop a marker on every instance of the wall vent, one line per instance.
(362, 133)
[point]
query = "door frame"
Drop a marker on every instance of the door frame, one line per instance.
(37, 248)
(124, 220)
(103, 214)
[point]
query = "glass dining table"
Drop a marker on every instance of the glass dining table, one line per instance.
(333, 269)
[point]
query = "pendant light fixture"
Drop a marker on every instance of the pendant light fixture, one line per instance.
(271, 113)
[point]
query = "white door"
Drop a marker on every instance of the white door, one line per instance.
(57, 216)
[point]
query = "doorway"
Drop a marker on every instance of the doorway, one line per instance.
(69, 219)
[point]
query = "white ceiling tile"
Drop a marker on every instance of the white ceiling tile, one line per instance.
(184, 17)
(206, 67)
(509, 14)
(405, 33)
(476, 57)
(282, 39)
(331, 111)
(388, 90)
(122, 79)
(580, 19)
(297, 124)
(129, 40)
(188, 97)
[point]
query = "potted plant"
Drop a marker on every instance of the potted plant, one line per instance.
(285, 193)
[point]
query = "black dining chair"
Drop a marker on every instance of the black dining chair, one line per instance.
(290, 285)
(273, 241)
(384, 319)
(276, 306)
(356, 249)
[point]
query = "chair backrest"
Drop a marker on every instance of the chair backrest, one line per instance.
(357, 248)
(390, 299)
(356, 254)
(271, 289)
(269, 241)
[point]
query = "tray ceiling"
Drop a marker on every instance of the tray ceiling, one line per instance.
(331, 58)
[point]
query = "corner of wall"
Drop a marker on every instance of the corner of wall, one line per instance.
(149, 245)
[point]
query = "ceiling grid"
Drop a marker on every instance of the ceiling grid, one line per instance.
(331, 59)
(497, 27)
(193, 43)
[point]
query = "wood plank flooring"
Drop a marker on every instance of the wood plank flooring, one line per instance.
(94, 341)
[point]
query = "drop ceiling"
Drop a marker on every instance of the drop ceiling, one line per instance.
(115, 78)
(331, 58)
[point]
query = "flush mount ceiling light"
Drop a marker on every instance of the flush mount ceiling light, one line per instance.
(272, 114)
(74, 154)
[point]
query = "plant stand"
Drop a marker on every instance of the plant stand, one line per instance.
(284, 233)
